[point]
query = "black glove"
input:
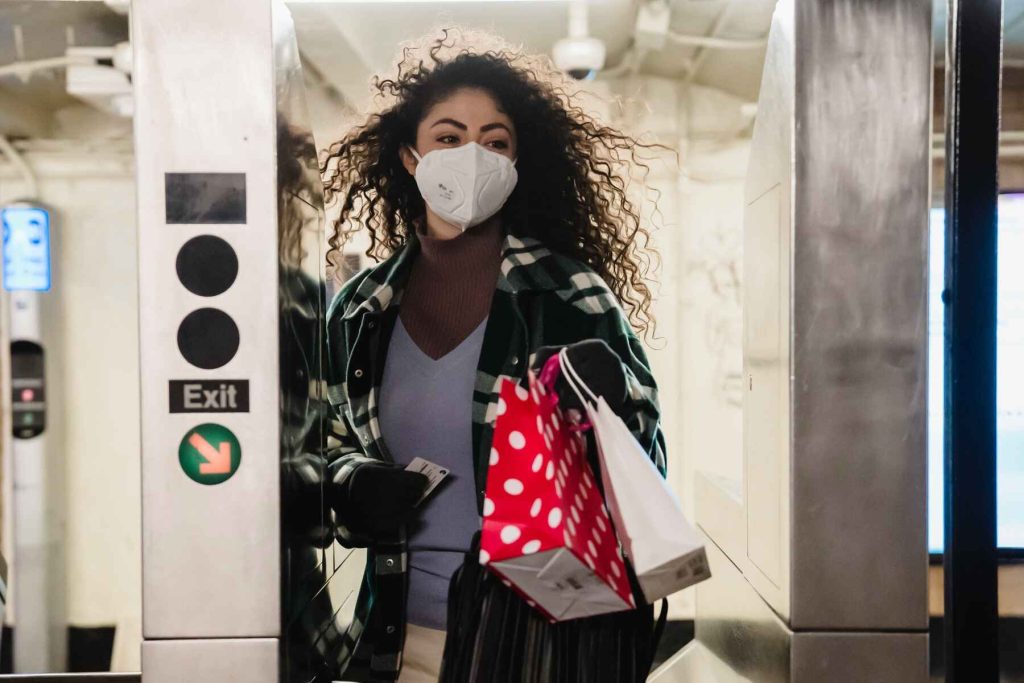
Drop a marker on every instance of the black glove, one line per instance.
(380, 498)
(305, 513)
(598, 367)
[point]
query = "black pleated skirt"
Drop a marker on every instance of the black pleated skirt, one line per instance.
(495, 637)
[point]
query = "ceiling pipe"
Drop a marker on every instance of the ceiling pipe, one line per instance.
(19, 163)
(630, 64)
(24, 70)
(701, 55)
(717, 43)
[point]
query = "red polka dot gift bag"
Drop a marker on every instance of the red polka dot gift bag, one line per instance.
(546, 530)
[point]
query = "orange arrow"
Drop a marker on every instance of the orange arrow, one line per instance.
(218, 460)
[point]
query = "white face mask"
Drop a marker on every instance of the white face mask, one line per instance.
(465, 185)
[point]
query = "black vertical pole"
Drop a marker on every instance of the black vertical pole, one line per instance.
(973, 62)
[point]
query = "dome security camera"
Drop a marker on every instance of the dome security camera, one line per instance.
(580, 57)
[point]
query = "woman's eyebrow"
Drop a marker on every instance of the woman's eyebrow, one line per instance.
(453, 122)
(462, 126)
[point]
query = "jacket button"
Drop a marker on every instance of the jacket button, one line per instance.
(358, 373)
(372, 324)
(389, 562)
(515, 361)
(390, 629)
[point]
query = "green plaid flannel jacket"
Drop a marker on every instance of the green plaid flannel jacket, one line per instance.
(542, 299)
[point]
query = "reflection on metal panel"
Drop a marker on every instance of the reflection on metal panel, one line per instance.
(320, 578)
(860, 237)
(318, 588)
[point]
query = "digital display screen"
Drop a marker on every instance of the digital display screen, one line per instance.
(192, 198)
(1009, 370)
(26, 248)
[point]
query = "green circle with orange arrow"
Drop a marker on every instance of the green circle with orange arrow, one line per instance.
(209, 454)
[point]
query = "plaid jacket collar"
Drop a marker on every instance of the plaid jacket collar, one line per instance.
(382, 286)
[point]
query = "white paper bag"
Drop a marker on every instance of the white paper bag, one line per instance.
(664, 548)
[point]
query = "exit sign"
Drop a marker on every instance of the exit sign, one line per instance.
(209, 395)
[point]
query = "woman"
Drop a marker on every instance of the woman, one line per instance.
(500, 211)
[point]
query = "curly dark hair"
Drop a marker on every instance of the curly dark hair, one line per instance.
(573, 170)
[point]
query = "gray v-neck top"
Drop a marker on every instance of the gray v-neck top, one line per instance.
(426, 409)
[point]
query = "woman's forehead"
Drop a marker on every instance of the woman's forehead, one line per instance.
(473, 107)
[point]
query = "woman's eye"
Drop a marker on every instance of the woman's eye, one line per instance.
(498, 144)
(448, 139)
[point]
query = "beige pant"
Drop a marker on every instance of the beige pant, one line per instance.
(421, 658)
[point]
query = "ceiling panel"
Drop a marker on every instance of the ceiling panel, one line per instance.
(349, 41)
(41, 29)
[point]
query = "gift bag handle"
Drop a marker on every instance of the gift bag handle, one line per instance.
(574, 380)
(557, 363)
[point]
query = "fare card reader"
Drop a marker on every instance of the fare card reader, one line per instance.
(26, 273)
(28, 388)
(27, 277)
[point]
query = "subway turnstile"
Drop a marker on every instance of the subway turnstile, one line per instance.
(238, 561)
(819, 554)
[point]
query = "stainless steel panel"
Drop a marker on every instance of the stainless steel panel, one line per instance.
(860, 218)
(860, 657)
(262, 562)
(834, 314)
(695, 663)
(766, 411)
(205, 102)
(737, 626)
(74, 678)
(720, 514)
(740, 638)
(766, 324)
(224, 660)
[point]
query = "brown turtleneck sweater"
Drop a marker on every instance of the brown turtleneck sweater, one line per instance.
(450, 287)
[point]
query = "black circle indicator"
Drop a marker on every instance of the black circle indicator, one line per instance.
(208, 338)
(207, 265)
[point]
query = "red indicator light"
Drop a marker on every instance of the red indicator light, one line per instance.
(27, 395)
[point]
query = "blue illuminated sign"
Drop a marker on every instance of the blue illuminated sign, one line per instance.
(26, 248)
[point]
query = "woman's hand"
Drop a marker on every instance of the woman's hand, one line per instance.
(598, 367)
(381, 498)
